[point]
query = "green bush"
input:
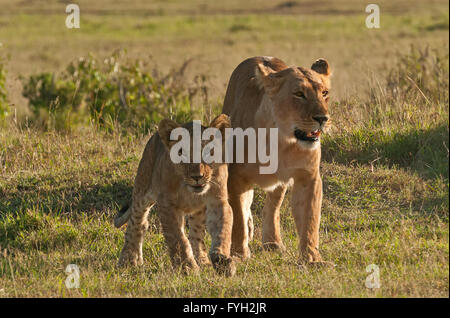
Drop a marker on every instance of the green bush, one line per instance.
(115, 90)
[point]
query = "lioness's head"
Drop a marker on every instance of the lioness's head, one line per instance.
(196, 176)
(299, 100)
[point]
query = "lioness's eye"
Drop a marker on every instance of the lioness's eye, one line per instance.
(300, 94)
(325, 93)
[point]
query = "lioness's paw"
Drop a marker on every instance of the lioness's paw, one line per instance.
(274, 246)
(316, 264)
(223, 265)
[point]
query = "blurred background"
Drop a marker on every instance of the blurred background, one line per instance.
(215, 36)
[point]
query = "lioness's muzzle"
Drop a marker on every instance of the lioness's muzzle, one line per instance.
(307, 136)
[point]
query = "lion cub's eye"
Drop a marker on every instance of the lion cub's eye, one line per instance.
(324, 93)
(299, 94)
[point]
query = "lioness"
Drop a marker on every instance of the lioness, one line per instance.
(180, 189)
(263, 92)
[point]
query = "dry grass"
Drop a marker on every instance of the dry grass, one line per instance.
(62, 192)
(385, 166)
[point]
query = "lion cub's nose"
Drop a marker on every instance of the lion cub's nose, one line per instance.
(197, 178)
(321, 119)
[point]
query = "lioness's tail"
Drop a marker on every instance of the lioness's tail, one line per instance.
(122, 216)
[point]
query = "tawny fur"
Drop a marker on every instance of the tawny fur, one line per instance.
(260, 94)
(169, 185)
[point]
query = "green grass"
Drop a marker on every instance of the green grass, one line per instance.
(61, 193)
(384, 167)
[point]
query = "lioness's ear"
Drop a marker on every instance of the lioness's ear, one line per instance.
(321, 66)
(268, 79)
(221, 122)
(165, 127)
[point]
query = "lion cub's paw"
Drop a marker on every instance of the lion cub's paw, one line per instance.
(130, 258)
(241, 253)
(223, 265)
(204, 261)
(190, 267)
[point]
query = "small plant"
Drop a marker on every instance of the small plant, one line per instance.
(4, 107)
(112, 91)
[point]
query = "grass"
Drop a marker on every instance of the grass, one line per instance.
(384, 168)
(62, 214)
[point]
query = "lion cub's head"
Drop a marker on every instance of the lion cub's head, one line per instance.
(299, 99)
(197, 177)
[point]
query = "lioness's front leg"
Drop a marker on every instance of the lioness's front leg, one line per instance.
(271, 236)
(240, 231)
(179, 248)
(219, 221)
(240, 195)
(306, 203)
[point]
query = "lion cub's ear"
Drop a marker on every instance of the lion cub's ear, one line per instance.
(321, 66)
(221, 122)
(165, 127)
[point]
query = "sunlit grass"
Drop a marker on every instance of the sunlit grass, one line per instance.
(384, 168)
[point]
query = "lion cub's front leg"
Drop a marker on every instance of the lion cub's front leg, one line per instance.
(180, 250)
(134, 237)
(197, 228)
(219, 221)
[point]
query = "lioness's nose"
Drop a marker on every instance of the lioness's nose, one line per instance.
(321, 118)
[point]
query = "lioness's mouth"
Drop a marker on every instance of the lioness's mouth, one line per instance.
(307, 136)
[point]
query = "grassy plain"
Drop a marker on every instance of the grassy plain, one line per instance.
(385, 166)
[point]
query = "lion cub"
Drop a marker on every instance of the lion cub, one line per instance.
(195, 189)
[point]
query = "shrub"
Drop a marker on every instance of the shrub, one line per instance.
(113, 91)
